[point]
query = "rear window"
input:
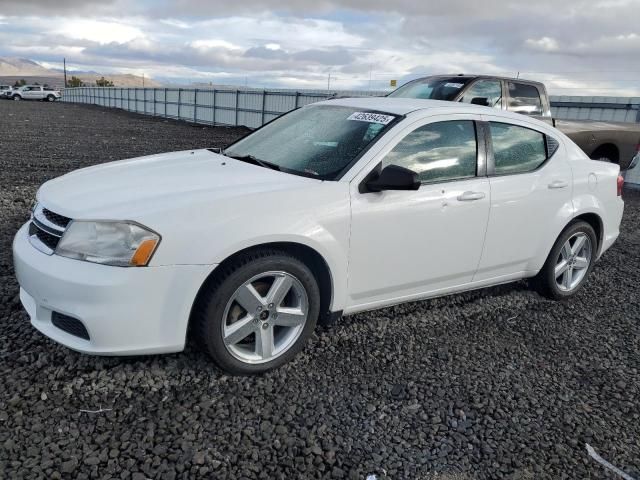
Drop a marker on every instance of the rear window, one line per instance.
(524, 99)
(517, 149)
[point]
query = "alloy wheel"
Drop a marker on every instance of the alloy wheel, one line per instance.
(573, 262)
(264, 317)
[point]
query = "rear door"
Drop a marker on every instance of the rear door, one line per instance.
(531, 197)
(31, 93)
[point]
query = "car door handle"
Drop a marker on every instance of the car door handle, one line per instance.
(558, 184)
(470, 196)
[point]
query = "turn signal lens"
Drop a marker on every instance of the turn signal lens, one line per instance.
(620, 185)
(143, 253)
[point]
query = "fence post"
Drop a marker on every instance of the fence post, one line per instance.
(213, 107)
(179, 102)
(297, 97)
(195, 104)
(154, 102)
(237, 97)
(264, 97)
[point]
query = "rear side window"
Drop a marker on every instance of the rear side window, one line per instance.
(524, 99)
(517, 149)
(438, 151)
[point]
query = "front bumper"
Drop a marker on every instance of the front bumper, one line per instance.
(126, 311)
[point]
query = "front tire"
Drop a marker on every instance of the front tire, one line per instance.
(17, 98)
(51, 98)
(257, 313)
(569, 263)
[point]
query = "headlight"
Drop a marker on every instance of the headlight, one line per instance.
(119, 244)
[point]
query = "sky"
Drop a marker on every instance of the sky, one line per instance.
(580, 47)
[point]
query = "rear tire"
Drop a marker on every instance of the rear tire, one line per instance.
(569, 263)
(257, 313)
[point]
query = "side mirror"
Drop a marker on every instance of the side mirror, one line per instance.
(394, 177)
(484, 101)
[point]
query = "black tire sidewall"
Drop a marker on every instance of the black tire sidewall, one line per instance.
(215, 304)
(51, 98)
(548, 273)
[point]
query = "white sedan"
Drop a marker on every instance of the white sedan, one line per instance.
(335, 208)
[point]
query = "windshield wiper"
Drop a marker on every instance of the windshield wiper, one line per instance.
(254, 160)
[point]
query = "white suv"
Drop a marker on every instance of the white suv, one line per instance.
(35, 92)
(338, 207)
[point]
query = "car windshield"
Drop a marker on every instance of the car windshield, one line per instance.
(432, 88)
(316, 141)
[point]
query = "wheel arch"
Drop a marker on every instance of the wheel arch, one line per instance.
(608, 150)
(308, 255)
(592, 218)
(596, 223)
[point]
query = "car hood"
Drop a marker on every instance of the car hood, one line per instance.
(129, 189)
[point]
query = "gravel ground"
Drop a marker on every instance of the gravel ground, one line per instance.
(498, 383)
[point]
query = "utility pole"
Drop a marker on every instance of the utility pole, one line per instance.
(64, 62)
(329, 83)
(143, 80)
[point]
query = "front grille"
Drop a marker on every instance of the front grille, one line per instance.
(55, 218)
(70, 325)
(48, 239)
(46, 229)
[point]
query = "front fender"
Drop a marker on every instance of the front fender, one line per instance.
(317, 218)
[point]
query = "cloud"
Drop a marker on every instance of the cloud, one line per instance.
(545, 44)
(99, 31)
(361, 43)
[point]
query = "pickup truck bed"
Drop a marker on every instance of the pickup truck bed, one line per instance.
(614, 141)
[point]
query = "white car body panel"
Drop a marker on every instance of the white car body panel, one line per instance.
(527, 213)
(380, 248)
(397, 236)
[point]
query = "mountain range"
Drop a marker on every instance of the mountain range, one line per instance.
(13, 69)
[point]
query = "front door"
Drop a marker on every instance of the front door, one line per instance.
(406, 244)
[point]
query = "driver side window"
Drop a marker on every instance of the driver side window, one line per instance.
(438, 152)
(484, 92)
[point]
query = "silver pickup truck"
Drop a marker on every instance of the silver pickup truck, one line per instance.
(608, 141)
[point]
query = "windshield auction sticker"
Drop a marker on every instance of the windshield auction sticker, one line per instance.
(371, 117)
(454, 85)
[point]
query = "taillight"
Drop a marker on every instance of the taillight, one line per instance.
(620, 185)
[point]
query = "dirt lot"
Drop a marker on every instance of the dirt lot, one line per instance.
(498, 383)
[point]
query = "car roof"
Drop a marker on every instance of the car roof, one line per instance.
(404, 106)
(468, 77)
